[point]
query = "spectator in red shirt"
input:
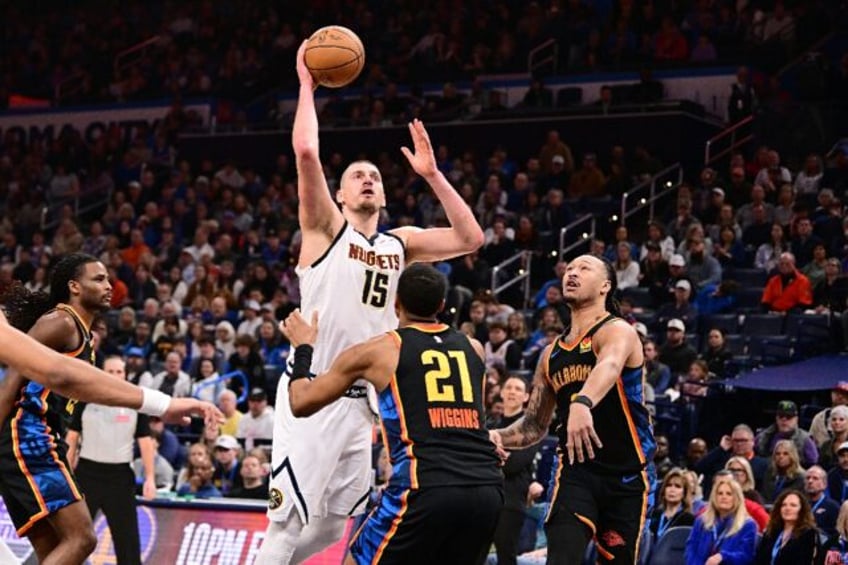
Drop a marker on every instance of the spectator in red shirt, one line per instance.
(789, 289)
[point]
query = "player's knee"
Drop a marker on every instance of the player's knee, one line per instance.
(87, 542)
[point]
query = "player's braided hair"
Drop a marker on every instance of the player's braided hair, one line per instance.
(24, 307)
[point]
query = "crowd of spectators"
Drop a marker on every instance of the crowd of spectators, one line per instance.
(240, 50)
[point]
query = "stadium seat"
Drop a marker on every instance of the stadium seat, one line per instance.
(735, 343)
(640, 296)
(762, 324)
(569, 96)
(728, 323)
(747, 277)
(774, 349)
(749, 298)
(671, 547)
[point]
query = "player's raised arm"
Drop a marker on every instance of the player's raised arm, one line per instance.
(464, 235)
(370, 360)
(317, 212)
(533, 426)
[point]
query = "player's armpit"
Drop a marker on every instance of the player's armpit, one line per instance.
(533, 426)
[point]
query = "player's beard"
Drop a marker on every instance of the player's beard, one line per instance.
(367, 207)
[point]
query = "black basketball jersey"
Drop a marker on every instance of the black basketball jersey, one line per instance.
(432, 412)
(621, 419)
(54, 408)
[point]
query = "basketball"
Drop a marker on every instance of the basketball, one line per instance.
(335, 56)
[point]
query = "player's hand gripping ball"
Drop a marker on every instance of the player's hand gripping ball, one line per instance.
(335, 56)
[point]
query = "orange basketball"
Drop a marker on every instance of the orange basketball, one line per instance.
(335, 56)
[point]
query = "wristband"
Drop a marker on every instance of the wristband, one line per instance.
(584, 400)
(302, 363)
(154, 403)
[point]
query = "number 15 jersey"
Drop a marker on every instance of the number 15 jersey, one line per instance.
(432, 412)
(352, 287)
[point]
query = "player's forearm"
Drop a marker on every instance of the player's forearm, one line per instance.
(148, 457)
(461, 217)
(524, 432)
(305, 128)
(302, 399)
(600, 381)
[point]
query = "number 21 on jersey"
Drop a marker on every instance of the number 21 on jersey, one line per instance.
(438, 379)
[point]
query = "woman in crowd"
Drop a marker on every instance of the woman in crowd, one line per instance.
(716, 353)
(838, 436)
(696, 493)
(768, 253)
(742, 473)
(674, 506)
(791, 537)
(517, 329)
(784, 471)
(724, 533)
(626, 268)
(836, 548)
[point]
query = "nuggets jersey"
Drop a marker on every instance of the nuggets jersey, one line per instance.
(322, 464)
(621, 419)
(432, 412)
(352, 287)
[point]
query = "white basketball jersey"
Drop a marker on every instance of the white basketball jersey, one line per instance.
(352, 287)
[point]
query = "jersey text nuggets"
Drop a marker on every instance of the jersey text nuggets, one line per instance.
(372, 259)
(454, 418)
(570, 374)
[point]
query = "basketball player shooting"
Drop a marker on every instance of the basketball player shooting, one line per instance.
(321, 465)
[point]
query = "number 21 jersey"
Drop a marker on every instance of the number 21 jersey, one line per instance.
(352, 287)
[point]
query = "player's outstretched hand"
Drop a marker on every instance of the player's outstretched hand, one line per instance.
(423, 160)
(298, 331)
(180, 411)
(581, 436)
(495, 438)
(303, 73)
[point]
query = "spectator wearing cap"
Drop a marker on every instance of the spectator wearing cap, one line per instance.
(136, 370)
(172, 380)
(258, 421)
(499, 349)
(169, 338)
(251, 321)
(825, 509)
(837, 478)
(676, 272)
(226, 476)
(787, 290)
(681, 309)
(820, 427)
(273, 251)
(711, 214)
(246, 359)
(675, 352)
(786, 427)
(838, 423)
(207, 350)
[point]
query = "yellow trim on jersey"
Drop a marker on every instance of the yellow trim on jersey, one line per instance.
(631, 425)
(404, 433)
(430, 328)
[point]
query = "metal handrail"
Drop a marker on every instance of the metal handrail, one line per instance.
(67, 86)
(142, 45)
(524, 257)
(50, 210)
(731, 131)
(653, 194)
(223, 378)
(584, 237)
(532, 65)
